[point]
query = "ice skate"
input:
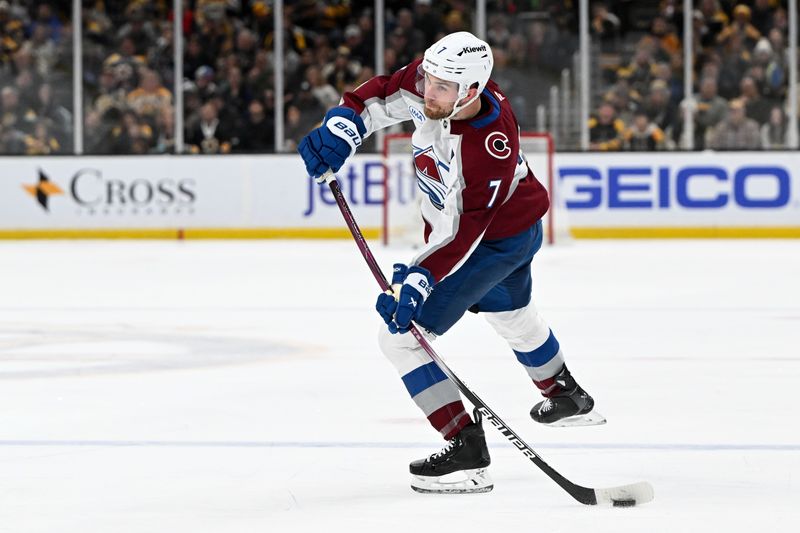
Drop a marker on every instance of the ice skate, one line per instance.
(459, 468)
(571, 406)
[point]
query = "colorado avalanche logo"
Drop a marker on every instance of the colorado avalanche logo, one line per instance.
(429, 179)
(497, 145)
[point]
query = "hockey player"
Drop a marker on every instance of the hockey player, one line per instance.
(482, 228)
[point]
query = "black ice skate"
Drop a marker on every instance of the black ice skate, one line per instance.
(571, 406)
(459, 468)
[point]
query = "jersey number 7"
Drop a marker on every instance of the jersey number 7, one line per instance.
(494, 184)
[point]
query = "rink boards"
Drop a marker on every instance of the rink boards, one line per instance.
(736, 194)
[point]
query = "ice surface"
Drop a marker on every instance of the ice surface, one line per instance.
(237, 387)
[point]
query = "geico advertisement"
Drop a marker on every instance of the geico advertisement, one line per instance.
(753, 188)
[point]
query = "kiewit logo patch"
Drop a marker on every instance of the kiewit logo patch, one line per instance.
(472, 49)
(497, 145)
(43, 190)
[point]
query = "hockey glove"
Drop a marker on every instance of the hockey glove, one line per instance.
(333, 142)
(415, 290)
(387, 302)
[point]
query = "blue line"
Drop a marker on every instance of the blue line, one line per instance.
(677, 447)
(258, 308)
(564, 309)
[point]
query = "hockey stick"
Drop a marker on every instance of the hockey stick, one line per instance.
(624, 495)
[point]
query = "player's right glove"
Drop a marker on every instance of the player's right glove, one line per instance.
(329, 145)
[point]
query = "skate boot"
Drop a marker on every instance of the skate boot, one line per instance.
(569, 406)
(459, 468)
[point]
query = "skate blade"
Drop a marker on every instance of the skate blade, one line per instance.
(461, 482)
(592, 418)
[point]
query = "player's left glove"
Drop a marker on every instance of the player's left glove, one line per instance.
(333, 142)
(416, 287)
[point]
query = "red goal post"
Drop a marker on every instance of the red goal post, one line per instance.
(401, 221)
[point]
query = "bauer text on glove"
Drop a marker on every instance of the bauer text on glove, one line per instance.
(329, 145)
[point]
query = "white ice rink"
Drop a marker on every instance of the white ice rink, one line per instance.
(234, 387)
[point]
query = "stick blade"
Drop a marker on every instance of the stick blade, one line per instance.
(626, 495)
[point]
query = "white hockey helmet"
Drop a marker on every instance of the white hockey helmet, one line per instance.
(461, 58)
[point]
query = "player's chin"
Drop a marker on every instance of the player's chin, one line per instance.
(436, 113)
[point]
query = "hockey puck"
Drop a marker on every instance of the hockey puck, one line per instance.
(623, 503)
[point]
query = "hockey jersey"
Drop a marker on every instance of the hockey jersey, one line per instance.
(477, 181)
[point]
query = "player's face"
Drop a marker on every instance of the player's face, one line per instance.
(440, 97)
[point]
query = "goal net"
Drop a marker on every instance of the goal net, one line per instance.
(402, 222)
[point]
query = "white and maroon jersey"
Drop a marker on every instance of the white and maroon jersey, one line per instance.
(478, 183)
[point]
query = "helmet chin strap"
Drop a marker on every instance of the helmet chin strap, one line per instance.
(458, 107)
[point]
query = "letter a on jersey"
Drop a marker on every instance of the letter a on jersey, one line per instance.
(429, 179)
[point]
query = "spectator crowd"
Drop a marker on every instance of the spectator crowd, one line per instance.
(739, 101)
(228, 76)
(35, 91)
